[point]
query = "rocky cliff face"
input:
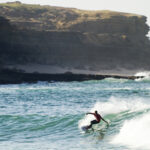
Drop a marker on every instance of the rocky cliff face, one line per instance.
(72, 39)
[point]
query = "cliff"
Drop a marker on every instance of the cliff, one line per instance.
(33, 37)
(48, 18)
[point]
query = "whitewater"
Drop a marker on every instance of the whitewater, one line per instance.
(49, 116)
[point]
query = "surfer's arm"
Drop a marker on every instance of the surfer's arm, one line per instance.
(90, 113)
(105, 121)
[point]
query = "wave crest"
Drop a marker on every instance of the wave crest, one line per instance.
(116, 106)
(135, 133)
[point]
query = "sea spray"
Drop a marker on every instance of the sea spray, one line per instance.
(143, 76)
(115, 105)
(135, 133)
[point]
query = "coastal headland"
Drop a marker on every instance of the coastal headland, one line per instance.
(45, 43)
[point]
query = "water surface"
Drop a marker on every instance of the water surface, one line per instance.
(49, 116)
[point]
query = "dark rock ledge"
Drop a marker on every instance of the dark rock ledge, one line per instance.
(14, 77)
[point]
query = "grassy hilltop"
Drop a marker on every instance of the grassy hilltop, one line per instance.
(57, 18)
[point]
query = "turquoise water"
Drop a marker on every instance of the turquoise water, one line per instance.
(49, 116)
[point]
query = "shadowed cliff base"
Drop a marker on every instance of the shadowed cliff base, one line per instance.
(81, 42)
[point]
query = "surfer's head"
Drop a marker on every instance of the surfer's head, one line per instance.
(95, 111)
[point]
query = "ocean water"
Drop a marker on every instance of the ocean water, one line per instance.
(49, 116)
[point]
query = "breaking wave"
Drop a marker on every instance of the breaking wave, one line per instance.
(143, 76)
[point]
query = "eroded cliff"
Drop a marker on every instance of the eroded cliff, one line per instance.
(72, 39)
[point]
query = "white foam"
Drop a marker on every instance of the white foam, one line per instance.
(144, 76)
(135, 133)
(122, 88)
(115, 80)
(114, 106)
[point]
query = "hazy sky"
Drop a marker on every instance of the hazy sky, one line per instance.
(131, 6)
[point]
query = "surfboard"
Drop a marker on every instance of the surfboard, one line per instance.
(84, 128)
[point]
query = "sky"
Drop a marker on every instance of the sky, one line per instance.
(130, 6)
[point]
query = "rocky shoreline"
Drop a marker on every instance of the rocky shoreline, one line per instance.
(13, 77)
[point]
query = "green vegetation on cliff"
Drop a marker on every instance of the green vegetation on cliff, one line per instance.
(57, 18)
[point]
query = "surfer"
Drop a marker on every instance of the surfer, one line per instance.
(98, 119)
